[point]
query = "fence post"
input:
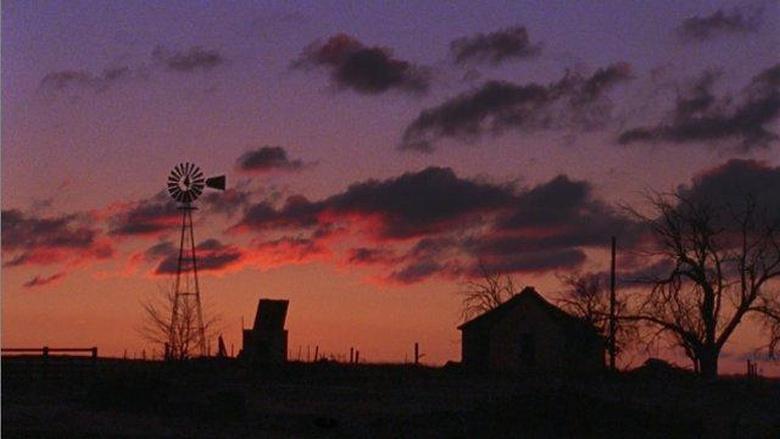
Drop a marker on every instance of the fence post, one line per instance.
(45, 352)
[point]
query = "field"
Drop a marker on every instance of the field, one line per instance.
(72, 397)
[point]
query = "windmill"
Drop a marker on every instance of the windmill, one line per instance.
(185, 184)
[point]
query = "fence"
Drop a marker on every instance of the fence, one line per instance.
(21, 363)
(45, 351)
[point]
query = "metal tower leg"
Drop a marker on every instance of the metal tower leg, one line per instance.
(187, 290)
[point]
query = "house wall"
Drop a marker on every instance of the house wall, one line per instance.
(527, 319)
(475, 348)
(498, 347)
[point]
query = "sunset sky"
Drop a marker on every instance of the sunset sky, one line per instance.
(374, 154)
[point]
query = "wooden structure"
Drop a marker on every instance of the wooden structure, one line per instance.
(529, 334)
(266, 341)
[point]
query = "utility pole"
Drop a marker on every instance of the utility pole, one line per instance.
(612, 305)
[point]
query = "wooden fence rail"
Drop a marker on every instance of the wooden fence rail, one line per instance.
(45, 351)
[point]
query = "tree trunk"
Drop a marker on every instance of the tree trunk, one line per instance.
(708, 362)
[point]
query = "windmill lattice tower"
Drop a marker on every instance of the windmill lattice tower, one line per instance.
(185, 184)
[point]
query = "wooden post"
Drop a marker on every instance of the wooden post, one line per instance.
(612, 311)
(357, 357)
(316, 353)
(351, 355)
(308, 353)
(416, 353)
(45, 352)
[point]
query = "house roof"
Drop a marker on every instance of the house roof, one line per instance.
(568, 321)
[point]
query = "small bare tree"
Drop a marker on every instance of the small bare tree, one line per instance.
(586, 296)
(490, 290)
(723, 258)
(176, 342)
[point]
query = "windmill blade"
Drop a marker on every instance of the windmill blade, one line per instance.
(217, 182)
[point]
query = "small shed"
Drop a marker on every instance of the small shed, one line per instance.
(266, 341)
(529, 334)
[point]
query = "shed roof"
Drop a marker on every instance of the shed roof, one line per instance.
(271, 314)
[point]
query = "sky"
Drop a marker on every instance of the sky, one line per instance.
(375, 154)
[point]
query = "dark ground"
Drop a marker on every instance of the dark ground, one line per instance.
(116, 398)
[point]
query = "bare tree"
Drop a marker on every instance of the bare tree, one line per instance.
(769, 315)
(586, 296)
(176, 342)
(722, 257)
(487, 292)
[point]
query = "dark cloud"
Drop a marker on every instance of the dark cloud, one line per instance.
(419, 203)
(160, 250)
(547, 227)
(39, 281)
(152, 216)
(303, 245)
(418, 271)
(159, 214)
(61, 80)
(368, 70)
(731, 183)
(568, 208)
(413, 204)
(21, 231)
(267, 159)
(434, 223)
(496, 106)
(365, 255)
(227, 202)
(196, 58)
(193, 59)
(212, 256)
(699, 116)
(297, 212)
(539, 261)
(718, 23)
(46, 240)
(433, 247)
(495, 47)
